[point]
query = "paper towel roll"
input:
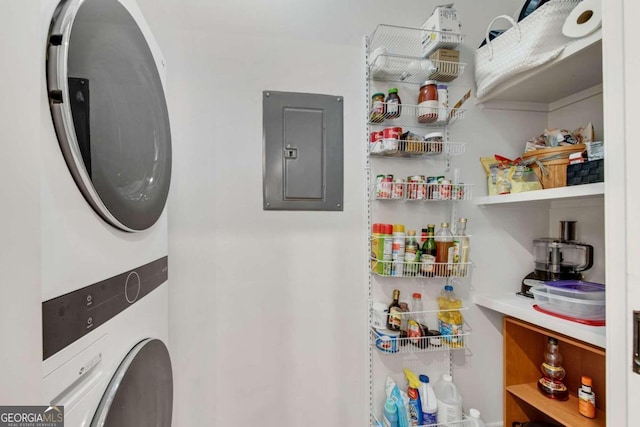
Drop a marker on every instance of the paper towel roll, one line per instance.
(584, 19)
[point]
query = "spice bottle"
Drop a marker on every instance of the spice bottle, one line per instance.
(586, 398)
(377, 108)
(428, 102)
(393, 104)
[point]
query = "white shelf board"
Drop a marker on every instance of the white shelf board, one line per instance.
(576, 69)
(544, 196)
(521, 308)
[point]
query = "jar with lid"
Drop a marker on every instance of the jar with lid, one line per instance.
(377, 108)
(428, 102)
(393, 104)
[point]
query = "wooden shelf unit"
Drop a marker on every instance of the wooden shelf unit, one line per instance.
(524, 345)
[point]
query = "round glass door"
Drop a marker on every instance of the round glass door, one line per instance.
(140, 393)
(109, 111)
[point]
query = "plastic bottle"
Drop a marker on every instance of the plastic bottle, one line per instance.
(397, 254)
(449, 400)
(415, 408)
(416, 328)
(390, 417)
(474, 418)
(450, 321)
(586, 398)
(444, 256)
(428, 401)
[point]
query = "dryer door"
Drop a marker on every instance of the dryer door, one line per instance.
(109, 111)
(140, 393)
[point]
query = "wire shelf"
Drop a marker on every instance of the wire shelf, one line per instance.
(402, 269)
(415, 115)
(430, 344)
(464, 422)
(420, 191)
(415, 70)
(410, 42)
(416, 149)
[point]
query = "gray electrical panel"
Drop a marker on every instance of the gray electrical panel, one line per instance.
(303, 151)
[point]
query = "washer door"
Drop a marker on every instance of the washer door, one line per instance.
(109, 111)
(140, 393)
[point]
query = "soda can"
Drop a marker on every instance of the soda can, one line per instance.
(398, 189)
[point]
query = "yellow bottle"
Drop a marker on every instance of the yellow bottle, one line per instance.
(449, 318)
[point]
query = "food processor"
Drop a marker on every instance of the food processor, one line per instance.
(561, 258)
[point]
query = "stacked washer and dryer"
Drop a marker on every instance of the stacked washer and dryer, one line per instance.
(106, 147)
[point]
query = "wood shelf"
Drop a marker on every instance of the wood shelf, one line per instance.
(565, 412)
(523, 346)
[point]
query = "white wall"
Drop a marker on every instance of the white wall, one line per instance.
(268, 309)
(20, 320)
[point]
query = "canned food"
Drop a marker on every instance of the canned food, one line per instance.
(445, 189)
(391, 137)
(383, 186)
(457, 192)
(397, 191)
(432, 186)
(421, 191)
(376, 142)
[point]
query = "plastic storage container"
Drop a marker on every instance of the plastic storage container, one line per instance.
(579, 307)
(576, 289)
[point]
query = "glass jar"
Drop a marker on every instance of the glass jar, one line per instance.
(377, 108)
(393, 104)
(428, 102)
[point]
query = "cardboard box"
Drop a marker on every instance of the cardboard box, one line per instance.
(447, 55)
(443, 30)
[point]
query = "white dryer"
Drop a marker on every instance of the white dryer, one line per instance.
(106, 146)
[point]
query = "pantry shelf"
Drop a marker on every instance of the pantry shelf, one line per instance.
(417, 150)
(416, 116)
(420, 192)
(543, 197)
(430, 344)
(411, 270)
(407, 41)
(566, 413)
(413, 69)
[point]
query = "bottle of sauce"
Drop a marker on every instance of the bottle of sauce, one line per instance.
(428, 102)
(444, 256)
(394, 318)
(411, 254)
(393, 104)
(428, 253)
(552, 373)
